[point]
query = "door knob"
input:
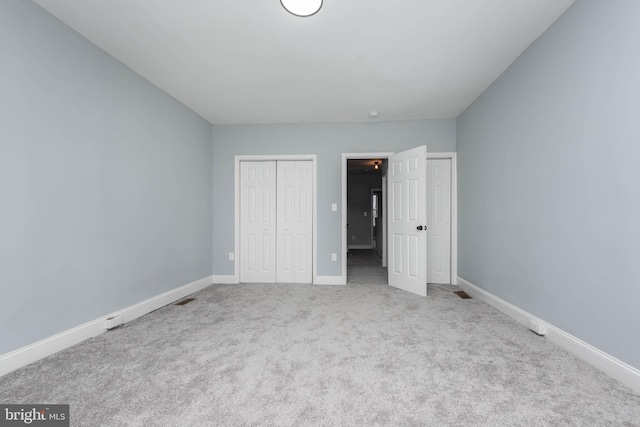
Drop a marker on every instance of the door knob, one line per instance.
(419, 227)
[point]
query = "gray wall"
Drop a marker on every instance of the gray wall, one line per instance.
(328, 142)
(105, 182)
(548, 179)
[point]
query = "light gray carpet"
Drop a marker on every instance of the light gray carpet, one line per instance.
(321, 355)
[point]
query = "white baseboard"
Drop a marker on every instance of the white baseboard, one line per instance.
(225, 280)
(33, 352)
(617, 369)
(329, 280)
(320, 280)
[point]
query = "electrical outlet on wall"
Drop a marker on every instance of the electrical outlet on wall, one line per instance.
(231, 256)
(334, 257)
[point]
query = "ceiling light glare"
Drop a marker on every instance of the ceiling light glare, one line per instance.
(302, 7)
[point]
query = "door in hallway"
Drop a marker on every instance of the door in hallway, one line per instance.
(439, 220)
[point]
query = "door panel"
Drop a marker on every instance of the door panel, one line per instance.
(396, 255)
(413, 199)
(257, 221)
(413, 254)
(407, 225)
(302, 265)
(295, 222)
(439, 220)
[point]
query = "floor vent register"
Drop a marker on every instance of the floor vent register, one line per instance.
(463, 294)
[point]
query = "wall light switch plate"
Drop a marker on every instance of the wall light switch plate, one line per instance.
(334, 207)
(334, 257)
(231, 256)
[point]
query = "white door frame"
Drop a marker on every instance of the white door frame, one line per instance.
(275, 157)
(454, 210)
(384, 156)
(348, 156)
(385, 243)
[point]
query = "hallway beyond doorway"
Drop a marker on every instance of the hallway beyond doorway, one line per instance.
(364, 267)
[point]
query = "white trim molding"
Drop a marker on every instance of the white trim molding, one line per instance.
(33, 352)
(329, 280)
(617, 369)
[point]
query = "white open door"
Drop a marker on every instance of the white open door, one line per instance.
(407, 219)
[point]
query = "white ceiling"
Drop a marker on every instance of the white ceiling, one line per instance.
(250, 61)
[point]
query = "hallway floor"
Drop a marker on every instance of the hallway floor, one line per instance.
(364, 267)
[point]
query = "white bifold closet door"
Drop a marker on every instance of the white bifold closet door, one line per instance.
(294, 258)
(276, 221)
(258, 222)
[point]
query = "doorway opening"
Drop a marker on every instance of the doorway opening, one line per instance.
(366, 251)
(348, 246)
(366, 231)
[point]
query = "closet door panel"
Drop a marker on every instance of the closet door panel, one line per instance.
(295, 222)
(258, 222)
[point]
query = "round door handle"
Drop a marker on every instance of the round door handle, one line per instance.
(419, 227)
